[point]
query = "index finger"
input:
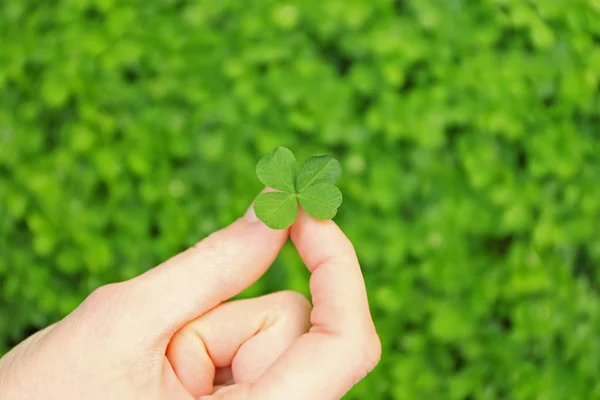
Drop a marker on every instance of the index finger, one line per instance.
(214, 270)
(342, 345)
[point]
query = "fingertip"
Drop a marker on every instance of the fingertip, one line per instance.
(305, 223)
(317, 240)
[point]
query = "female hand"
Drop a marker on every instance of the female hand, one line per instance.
(169, 334)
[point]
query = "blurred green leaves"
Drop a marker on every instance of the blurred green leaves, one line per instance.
(468, 132)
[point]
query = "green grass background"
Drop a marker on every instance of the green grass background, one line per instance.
(469, 133)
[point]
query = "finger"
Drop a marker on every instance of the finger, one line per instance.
(214, 270)
(239, 340)
(342, 346)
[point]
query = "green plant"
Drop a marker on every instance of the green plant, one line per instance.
(468, 131)
(313, 186)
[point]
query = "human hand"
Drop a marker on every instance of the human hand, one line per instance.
(167, 334)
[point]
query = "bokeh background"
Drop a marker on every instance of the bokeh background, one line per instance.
(468, 131)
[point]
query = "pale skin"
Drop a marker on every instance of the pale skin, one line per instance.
(170, 333)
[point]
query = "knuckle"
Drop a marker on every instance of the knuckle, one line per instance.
(291, 308)
(351, 248)
(293, 299)
(104, 294)
(292, 303)
(105, 300)
(346, 246)
(365, 353)
(106, 310)
(372, 351)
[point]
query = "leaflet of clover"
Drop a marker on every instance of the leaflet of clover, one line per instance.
(278, 169)
(278, 210)
(317, 170)
(321, 201)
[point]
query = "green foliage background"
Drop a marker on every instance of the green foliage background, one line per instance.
(468, 131)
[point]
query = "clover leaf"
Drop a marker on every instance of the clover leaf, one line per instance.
(312, 185)
(278, 170)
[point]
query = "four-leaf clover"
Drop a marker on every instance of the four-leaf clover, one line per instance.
(312, 185)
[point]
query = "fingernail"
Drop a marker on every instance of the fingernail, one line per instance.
(250, 215)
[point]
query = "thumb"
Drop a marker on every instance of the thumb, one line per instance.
(214, 270)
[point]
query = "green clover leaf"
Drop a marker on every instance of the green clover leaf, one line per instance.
(277, 210)
(313, 186)
(321, 201)
(318, 169)
(278, 169)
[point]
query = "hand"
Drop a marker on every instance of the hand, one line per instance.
(167, 334)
